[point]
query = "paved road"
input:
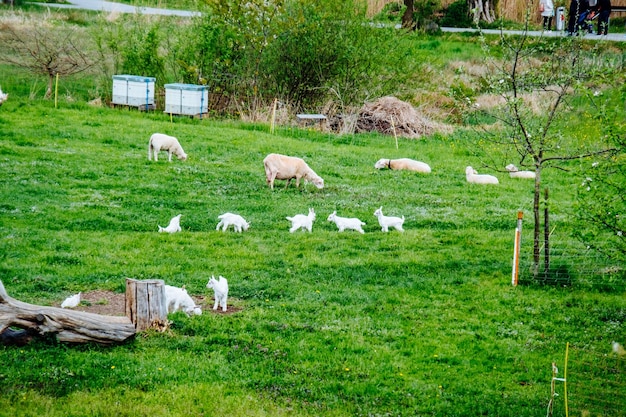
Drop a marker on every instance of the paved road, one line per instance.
(108, 6)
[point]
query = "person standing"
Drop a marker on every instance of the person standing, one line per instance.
(576, 9)
(604, 11)
(546, 7)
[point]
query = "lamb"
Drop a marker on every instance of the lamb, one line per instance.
(221, 291)
(161, 142)
(515, 173)
(239, 223)
(3, 97)
(302, 221)
(388, 221)
(281, 167)
(177, 299)
(473, 177)
(71, 301)
(346, 223)
(173, 227)
(403, 163)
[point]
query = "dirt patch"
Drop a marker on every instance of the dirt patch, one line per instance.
(109, 303)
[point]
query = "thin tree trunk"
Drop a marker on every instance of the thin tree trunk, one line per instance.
(536, 232)
(407, 17)
(546, 236)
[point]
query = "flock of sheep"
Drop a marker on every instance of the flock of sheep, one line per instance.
(282, 167)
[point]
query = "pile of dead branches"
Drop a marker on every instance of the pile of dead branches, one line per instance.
(391, 116)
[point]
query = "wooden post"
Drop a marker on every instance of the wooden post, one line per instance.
(145, 304)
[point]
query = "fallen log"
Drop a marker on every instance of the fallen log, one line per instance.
(66, 325)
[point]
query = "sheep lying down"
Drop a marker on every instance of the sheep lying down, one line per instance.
(403, 163)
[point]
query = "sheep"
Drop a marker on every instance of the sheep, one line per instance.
(173, 227)
(221, 291)
(177, 299)
(388, 221)
(239, 223)
(403, 163)
(71, 301)
(515, 173)
(161, 142)
(473, 177)
(3, 97)
(302, 221)
(346, 223)
(281, 167)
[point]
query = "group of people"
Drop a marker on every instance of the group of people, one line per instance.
(581, 12)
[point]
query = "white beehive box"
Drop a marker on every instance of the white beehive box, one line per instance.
(188, 99)
(133, 90)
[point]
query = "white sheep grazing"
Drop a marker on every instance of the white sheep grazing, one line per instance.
(346, 223)
(281, 167)
(403, 163)
(3, 97)
(221, 291)
(173, 227)
(161, 142)
(515, 173)
(389, 221)
(302, 221)
(239, 223)
(177, 299)
(71, 301)
(473, 177)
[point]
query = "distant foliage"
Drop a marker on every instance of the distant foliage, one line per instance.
(456, 15)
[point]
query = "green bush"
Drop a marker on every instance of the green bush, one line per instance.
(456, 15)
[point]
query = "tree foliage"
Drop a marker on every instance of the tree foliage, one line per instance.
(45, 48)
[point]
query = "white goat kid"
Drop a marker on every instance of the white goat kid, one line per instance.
(177, 299)
(389, 221)
(173, 227)
(221, 291)
(3, 97)
(161, 142)
(302, 221)
(227, 219)
(282, 167)
(516, 173)
(473, 177)
(71, 301)
(344, 223)
(403, 163)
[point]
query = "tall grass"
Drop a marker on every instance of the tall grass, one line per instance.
(423, 322)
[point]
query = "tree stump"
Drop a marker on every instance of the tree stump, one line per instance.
(145, 304)
(66, 325)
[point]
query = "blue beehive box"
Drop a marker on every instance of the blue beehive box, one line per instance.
(133, 90)
(187, 99)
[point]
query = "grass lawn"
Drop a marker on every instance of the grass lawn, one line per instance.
(423, 322)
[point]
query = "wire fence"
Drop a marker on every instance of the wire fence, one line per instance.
(587, 374)
(571, 264)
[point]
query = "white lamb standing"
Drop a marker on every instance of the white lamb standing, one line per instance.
(346, 223)
(3, 97)
(472, 176)
(173, 227)
(221, 291)
(403, 163)
(71, 301)
(515, 173)
(281, 167)
(177, 299)
(302, 221)
(389, 221)
(227, 219)
(162, 142)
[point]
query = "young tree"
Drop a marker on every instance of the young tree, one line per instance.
(536, 81)
(45, 49)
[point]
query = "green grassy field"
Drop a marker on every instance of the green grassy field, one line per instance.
(423, 322)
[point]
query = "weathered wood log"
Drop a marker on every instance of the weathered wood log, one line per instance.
(66, 325)
(145, 304)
